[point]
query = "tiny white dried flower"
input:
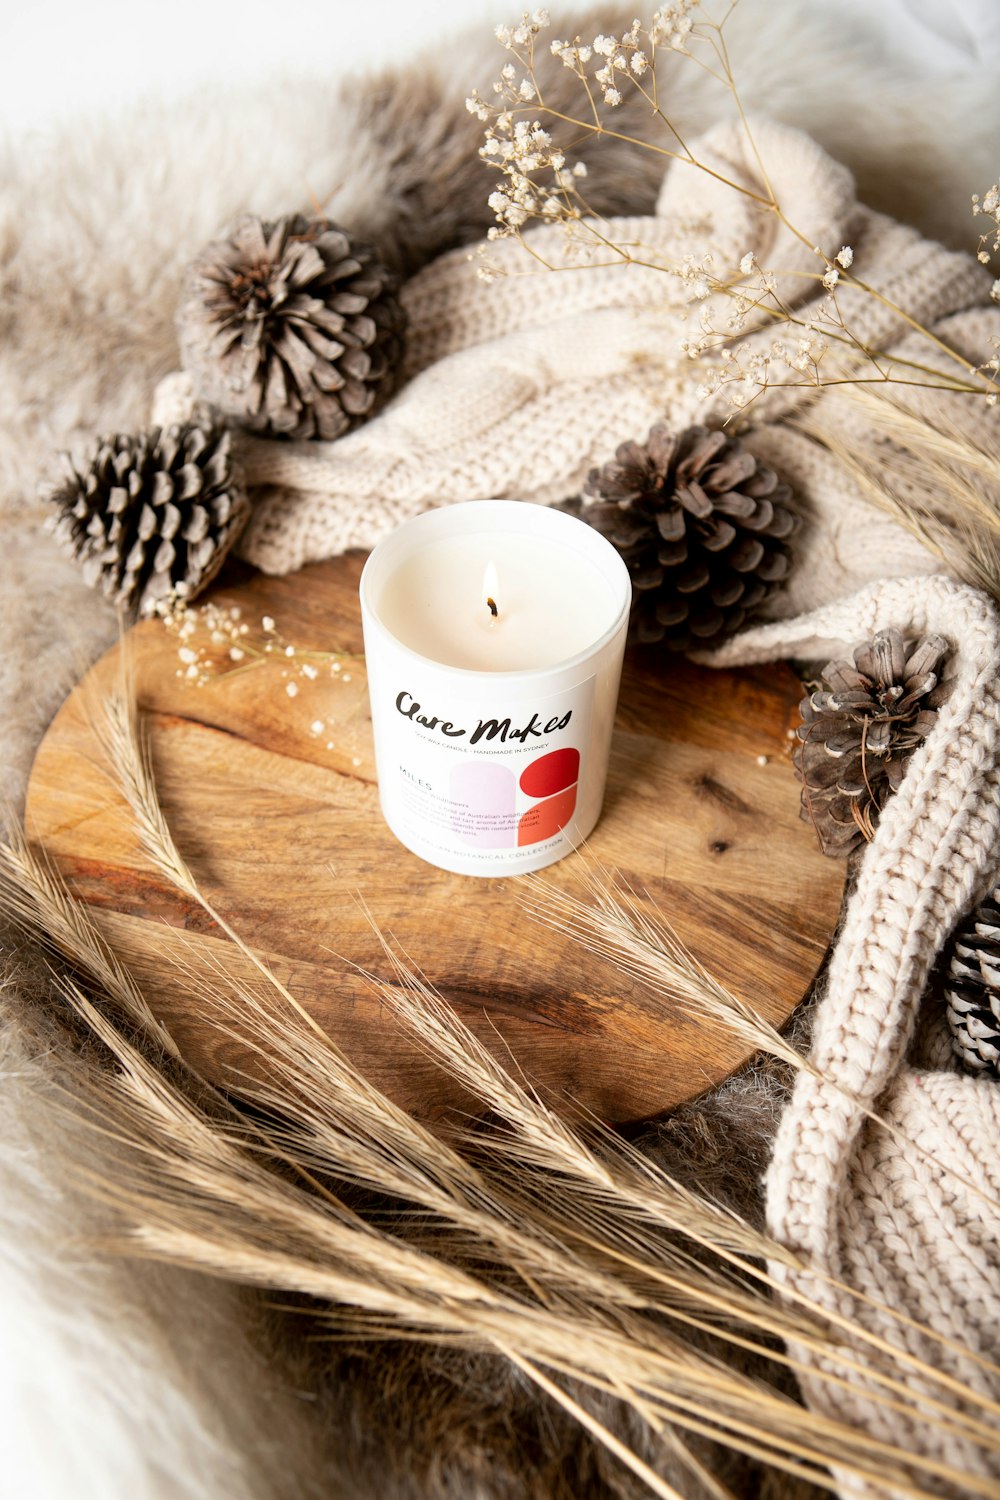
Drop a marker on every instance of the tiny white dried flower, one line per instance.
(746, 264)
(605, 45)
(612, 97)
(507, 72)
(527, 89)
(308, 670)
(639, 63)
(995, 291)
(191, 673)
(267, 623)
(317, 726)
(292, 689)
(983, 257)
(187, 655)
(579, 169)
(503, 35)
(845, 256)
(830, 278)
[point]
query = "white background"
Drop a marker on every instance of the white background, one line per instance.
(61, 59)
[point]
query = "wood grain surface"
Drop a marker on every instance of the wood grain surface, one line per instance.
(279, 822)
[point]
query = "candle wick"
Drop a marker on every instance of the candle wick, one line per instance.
(493, 607)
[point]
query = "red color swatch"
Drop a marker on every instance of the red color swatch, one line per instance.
(546, 818)
(551, 773)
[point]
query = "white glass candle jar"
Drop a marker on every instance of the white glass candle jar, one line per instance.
(494, 634)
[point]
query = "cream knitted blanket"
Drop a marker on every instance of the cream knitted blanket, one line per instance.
(517, 389)
(906, 1212)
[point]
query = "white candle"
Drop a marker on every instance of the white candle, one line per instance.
(494, 634)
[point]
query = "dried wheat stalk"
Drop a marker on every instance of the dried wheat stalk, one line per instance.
(942, 485)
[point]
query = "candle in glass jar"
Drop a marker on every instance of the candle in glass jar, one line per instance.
(494, 634)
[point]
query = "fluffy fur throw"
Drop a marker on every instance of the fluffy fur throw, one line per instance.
(179, 1398)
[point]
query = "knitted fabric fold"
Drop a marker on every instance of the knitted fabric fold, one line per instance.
(516, 389)
(907, 1212)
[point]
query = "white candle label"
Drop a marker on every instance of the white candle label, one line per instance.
(475, 779)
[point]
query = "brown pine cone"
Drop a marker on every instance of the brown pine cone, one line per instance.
(972, 988)
(151, 516)
(859, 730)
(702, 526)
(291, 328)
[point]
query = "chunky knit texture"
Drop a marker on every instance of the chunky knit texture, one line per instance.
(517, 390)
(906, 1212)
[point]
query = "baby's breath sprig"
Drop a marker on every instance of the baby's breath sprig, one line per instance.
(989, 204)
(989, 245)
(216, 641)
(539, 184)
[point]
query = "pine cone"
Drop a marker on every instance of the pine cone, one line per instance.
(702, 526)
(859, 731)
(291, 328)
(972, 988)
(152, 516)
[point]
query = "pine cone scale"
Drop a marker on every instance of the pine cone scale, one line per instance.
(727, 593)
(694, 500)
(720, 537)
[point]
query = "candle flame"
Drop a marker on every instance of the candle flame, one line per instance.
(490, 589)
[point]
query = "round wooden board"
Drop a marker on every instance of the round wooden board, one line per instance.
(281, 825)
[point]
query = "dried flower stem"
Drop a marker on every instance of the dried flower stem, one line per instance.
(539, 185)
